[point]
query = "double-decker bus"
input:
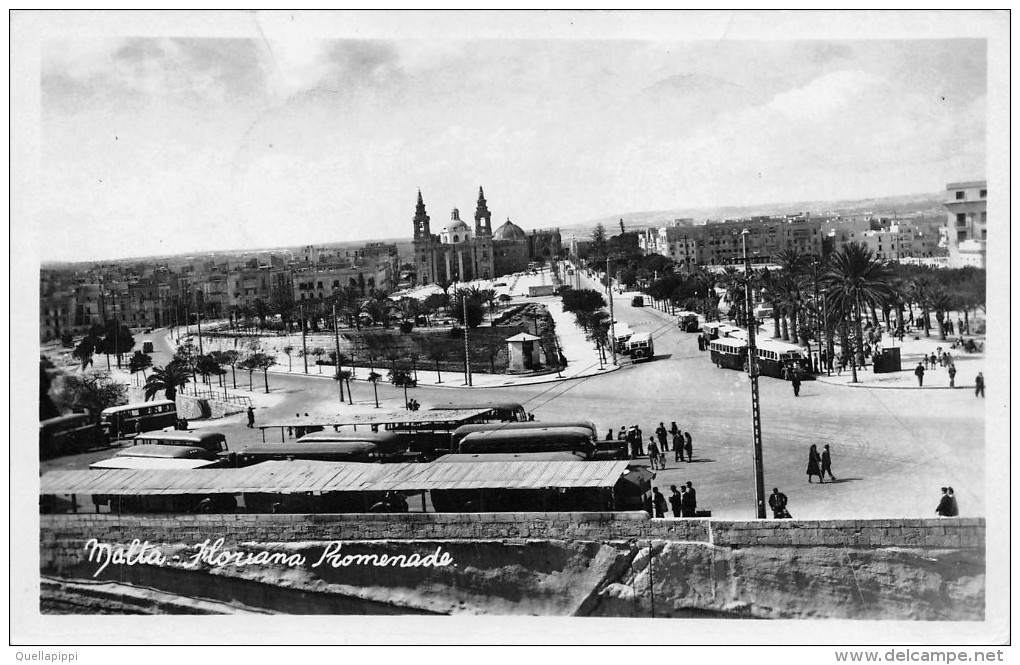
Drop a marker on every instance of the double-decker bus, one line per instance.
(118, 421)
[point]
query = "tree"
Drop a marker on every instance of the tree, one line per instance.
(139, 363)
(373, 378)
(47, 407)
(856, 278)
(599, 244)
(318, 352)
(247, 363)
(92, 392)
(231, 357)
(84, 351)
(263, 361)
(582, 300)
(289, 349)
(471, 300)
(436, 352)
(118, 340)
(167, 379)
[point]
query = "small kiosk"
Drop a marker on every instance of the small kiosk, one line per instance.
(524, 352)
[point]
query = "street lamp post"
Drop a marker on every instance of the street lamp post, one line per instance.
(752, 366)
(467, 351)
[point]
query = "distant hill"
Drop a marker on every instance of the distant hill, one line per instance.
(904, 204)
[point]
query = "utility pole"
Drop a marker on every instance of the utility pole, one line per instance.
(828, 346)
(336, 338)
(201, 306)
(467, 352)
(752, 366)
(304, 344)
(612, 321)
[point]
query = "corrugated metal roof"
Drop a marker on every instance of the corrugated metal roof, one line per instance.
(151, 463)
(309, 476)
(384, 418)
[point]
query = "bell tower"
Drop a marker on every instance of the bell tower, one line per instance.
(421, 221)
(482, 214)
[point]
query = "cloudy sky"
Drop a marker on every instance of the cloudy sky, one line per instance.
(185, 143)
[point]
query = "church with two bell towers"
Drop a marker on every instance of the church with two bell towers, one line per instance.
(458, 253)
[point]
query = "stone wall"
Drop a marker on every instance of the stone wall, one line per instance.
(581, 564)
(191, 407)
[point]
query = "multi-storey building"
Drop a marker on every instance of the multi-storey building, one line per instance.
(967, 210)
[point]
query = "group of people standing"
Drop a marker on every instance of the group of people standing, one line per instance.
(683, 502)
(658, 445)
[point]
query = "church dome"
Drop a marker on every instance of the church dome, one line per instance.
(457, 231)
(509, 231)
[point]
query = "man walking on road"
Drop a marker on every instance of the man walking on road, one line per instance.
(827, 463)
(678, 446)
(251, 418)
(979, 385)
(660, 432)
(796, 385)
(919, 373)
(653, 453)
(675, 501)
(777, 502)
(688, 446)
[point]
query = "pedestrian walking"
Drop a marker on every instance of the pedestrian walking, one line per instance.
(658, 502)
(678, 446)
(688, 446)
(640, 441)
(933, 360)
(660, 432)
(689, 503)
(251, 418)
(673, 429)
(952, 376)
(675, 499)
(777, 502)
(635, 445)
(827, 462)
(796, 385)
(954, 508)
(653, 453)
(979, 385)
(945, 507)
(813, 464)
(938, 354)
(919, 373)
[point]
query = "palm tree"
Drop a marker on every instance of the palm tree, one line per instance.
(941, 301)
(732, 280)
(168, 379)
(340, 377)
(318, 352)
(770, 293)
(289, 349)
(374, 377)
(856, 278)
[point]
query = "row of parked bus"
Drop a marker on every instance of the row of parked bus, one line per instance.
(500, 433)
(78, 432)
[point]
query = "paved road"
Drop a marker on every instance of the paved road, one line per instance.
(892, 449)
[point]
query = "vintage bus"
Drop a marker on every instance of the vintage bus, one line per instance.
(118, 421)
(212, 442)
(462, 431)
(502, 411)
(688, 321)
(728, 352)
(327, 446)
(541, 440)
(68, 435)
(641, 347)
(781, 360)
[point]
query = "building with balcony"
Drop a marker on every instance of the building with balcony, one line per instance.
(967, 219)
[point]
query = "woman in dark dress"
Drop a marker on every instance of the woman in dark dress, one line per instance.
(814, 464)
